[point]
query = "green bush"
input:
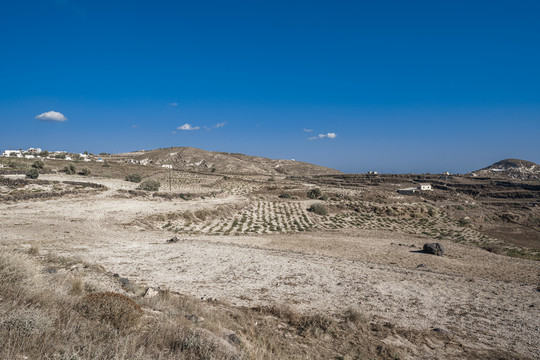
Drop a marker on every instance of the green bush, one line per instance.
(285, 196)
(32, 174)
(38, 164)
(314, 193)
(85, 171)
(44, 154)
(60, 156)
(318, 209)
(70, 169)
(136, 178)
(16, 165)
(150, 185)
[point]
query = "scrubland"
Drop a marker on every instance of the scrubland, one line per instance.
(87, 270)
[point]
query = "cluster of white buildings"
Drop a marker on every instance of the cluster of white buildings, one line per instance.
(33, 153)
(28, 154)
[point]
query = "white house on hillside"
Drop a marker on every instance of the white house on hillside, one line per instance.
(16, 153)
(33, 151)
(424, 186)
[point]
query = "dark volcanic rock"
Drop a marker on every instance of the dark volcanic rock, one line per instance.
(434, 248)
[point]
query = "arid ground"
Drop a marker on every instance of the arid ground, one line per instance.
(242, 244)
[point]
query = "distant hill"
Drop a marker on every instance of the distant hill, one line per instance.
(192, 159)
(511, 168)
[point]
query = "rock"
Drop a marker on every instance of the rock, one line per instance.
(173, 240)
(150, 293)
(194, 318)
(233, 338)
(441, 330)
(421, 266)
(434, 248)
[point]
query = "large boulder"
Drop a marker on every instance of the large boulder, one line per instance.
(434, 248)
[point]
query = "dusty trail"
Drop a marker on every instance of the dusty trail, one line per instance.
(477, 296)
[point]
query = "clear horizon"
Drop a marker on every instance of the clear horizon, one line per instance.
(391, 87)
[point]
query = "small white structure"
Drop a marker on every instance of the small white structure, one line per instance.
(412, 190)
(33, 151)
(29, 156)
(68, 158)
(373, 172)
(16, 153)
(100, 160)
(167, 166)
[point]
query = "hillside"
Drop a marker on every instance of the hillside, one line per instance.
(192, 159)
(512, 169)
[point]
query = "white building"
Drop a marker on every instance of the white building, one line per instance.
(424, 186)
(33, 151)
(16, 153)
(167, 166)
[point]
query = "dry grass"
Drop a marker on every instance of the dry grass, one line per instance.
(113, 308)
(56, 315)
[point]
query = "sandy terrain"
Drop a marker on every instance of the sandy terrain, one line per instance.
(485, 300)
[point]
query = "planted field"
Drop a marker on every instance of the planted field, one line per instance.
(260, 217)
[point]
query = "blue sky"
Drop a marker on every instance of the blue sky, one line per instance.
(405, 86)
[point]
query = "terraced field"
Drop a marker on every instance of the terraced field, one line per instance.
(265, 217)
(260, 217)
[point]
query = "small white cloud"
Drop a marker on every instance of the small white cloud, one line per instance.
(173, 104)
(220, 125)
(135, 126)
(188, 127)
(308, 130)
(322, 136)
(174, 132)
(51, 116)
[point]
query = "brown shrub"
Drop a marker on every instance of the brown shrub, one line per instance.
(113, 308)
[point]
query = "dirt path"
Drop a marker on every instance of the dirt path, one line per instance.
(486, 300)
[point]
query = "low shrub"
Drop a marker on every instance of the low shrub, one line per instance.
(38, 164)
(70, 169)
(150, 185)
(314, 193)
(318, 209)
(32, 173)
(285, 196)
(136, 178)
(85, 171)
(113, 308)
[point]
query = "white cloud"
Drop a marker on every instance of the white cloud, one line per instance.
(322, 136)
(308, 130)
(188, 127)
(173, 104)
(174, 132)
(51, 116)
(220, 125)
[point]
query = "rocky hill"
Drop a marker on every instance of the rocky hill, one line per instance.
(192, 159)
(512, 169)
